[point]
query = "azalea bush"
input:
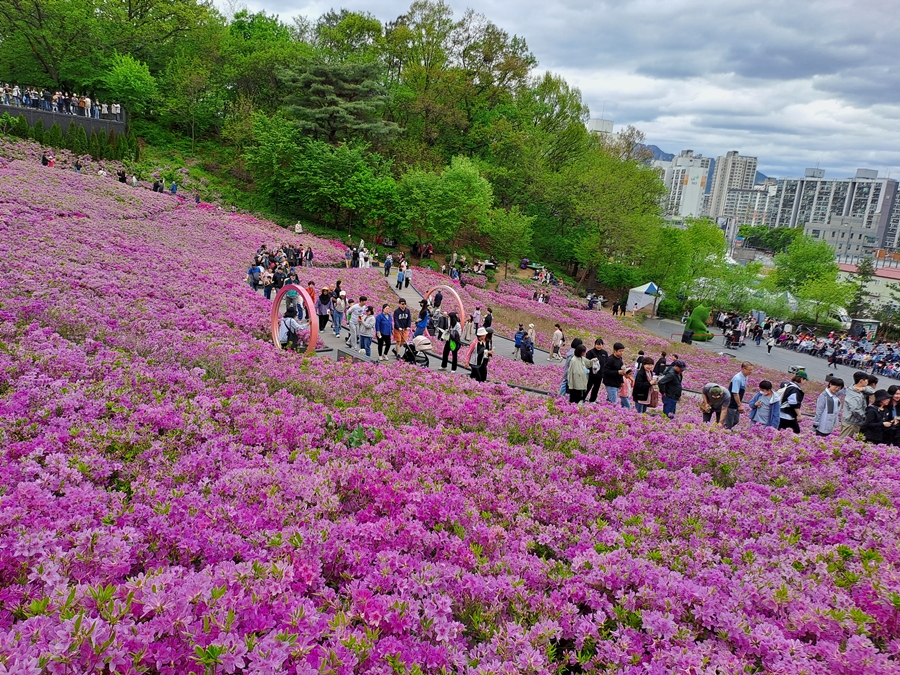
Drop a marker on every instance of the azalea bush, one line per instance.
(178, 496)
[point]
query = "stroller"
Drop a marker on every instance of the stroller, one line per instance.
(416, 351)
(732, 339)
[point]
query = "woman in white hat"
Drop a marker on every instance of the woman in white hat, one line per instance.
(480, 358)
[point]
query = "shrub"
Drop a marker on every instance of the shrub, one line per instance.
(21, 128)
(37, 131)
(54, 136)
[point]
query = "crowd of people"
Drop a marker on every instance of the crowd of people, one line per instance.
(64, 103)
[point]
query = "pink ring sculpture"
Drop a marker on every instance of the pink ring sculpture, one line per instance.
(310, 305)
(462, 312)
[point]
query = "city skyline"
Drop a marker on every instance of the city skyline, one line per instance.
(797, 85)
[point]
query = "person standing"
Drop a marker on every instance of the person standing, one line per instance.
(324, 307)
(517, 341)
(828, 408)
(556, 343)
(348, 258)
(407, 277)
(737, 388)
(660, 367)
(615, 308)
(527, 349)
(482, 356)
(384, 328)
(626, 389)
(613, 372)
(577, 375)
(402, 323)
(670, 387)
(769, 344)
(439, 298)
(854, 408)
(366, 330)
(476, 318)
(875, 424)
(339, 308)
(597, 356)
(644, 380)
(354, 320)
(452, 342)
(764, 407)
(791, 399)
(488, 322)
(388, 261)
(715, 398)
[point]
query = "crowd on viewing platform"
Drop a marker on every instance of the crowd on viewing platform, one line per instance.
(64, 103)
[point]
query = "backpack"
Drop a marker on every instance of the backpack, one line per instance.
(255, 275)
(291, 332)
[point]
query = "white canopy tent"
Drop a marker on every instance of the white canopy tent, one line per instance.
(648, 294)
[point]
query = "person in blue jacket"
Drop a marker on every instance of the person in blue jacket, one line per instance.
(765, 408)
(384, 327)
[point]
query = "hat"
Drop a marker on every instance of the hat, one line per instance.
(343, 293)
(679, 363)
(716, 391)
(802, 373)
(531, 325)
(481, 331)
(882, 395)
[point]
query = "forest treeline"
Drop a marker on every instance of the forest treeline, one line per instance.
(433, 127)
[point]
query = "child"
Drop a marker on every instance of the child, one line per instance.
(765, 408)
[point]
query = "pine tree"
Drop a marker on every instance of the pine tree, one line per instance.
(37, 132)
(94, 145)
(134, 149)
(80, 143)
(111, 141)
(71, 134)
(54, 136)
(21, 129)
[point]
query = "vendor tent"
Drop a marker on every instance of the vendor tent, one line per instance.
(644, 295)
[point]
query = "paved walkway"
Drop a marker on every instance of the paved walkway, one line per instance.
(779, 359)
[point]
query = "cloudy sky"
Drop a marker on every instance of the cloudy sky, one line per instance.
(794, 82)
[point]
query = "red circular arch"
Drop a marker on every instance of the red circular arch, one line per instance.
(452, 291)
(310, 305)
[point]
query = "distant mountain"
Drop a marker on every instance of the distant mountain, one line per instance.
(659, 154)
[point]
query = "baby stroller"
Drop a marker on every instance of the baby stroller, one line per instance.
(732, 339)
(416, 351)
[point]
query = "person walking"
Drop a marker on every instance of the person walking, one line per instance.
(517, 341)
(407, 277)
(764, 407)
(670, 387)
(384, 328)
(644, 380)
(469, 330)
(613, 371)
(597, 356)
(388, 261)
(399, 284)
(452, 341)
(556, 343)
(828, 408)
(769, 344)
(854, 408)
(527, 350)
(339, 308)
(626, 389)
(737, 388)
(476, 318)
(791, 399)
(366, 330)
(660, 367)
(482, 356)
(324, 307)
(402, 323)
(577, 375)
(487, 323)
(715, 398)
(564, 383)
(354, 321)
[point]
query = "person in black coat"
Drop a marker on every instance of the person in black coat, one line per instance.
(660, 367)
(643, 384)
(875, 425)
(614, 373)
(595, 378)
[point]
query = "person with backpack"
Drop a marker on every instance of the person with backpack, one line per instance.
(791, 398)
(482, 355)
(253, 276)
(452, 338)
(384, 328)
(670, 387)
(518, 342)
(527, 349)
(289, 329)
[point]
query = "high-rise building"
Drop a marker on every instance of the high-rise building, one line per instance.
(862, 207)
(685, 178)
(750, 207)
(733, 172)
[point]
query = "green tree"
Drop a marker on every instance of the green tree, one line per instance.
(417, 198)
(37, 132)
(71, 132)
(337, 101)
(774, 239)
(129, 82)
(111, 140)
(192, 98)
(804, 259)
(348, 36)
(94, 146)
(464, 202)
(824, 293)
(54, 136)
(21, 128)
(859, 303)
(509, 234)
(79, 145)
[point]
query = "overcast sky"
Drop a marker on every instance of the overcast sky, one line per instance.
(794, 82)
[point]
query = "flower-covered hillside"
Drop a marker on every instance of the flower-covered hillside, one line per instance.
(177, 496)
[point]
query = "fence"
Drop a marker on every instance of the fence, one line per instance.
(49, 118)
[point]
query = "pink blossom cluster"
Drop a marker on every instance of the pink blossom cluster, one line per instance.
(177, 496)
